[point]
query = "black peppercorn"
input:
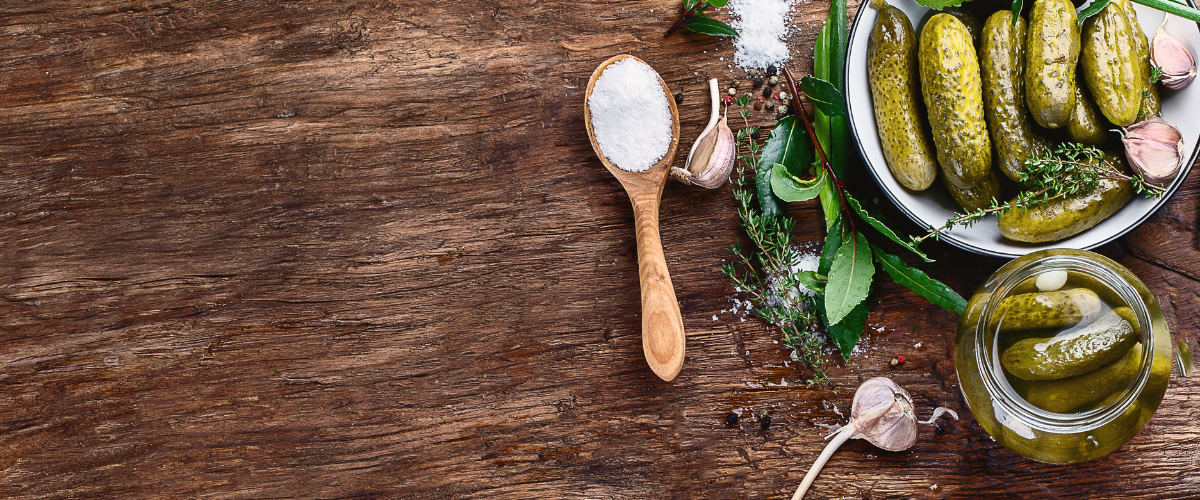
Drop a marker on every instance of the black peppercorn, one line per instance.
(765, 422)
(757, 81)
(731, 419)
(679, 98)
(766, 91)
(755, 134)
(771, 71)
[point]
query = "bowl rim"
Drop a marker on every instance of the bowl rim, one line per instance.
(948, 237)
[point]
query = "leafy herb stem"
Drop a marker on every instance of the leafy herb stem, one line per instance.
(687, 14)
(838, 185)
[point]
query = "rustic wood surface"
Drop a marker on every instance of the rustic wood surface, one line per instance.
(257, 249)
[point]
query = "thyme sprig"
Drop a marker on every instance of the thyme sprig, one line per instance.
(1069, 170)
(768, 278)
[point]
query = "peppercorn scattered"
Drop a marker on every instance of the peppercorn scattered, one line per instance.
(731, 91)
(727, 99)
(898, 360)
(758, 105)
(764, 420)
(772, 81)
(766, 91)
(758, 81)
(679, 98)
(731, 419)
(771, 71)
(781, 109)
(756, 134)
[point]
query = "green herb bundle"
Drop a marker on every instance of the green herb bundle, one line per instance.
(787, 170)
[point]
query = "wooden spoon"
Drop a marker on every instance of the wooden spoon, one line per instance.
(662, 326)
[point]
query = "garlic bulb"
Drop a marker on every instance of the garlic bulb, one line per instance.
(1154, 149)
(882, 413)
(711, 159)
(1176, 61)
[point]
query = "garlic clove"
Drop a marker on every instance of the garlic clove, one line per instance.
(882, 412)
(710, 160)
(1173, 58)
(1154, 149)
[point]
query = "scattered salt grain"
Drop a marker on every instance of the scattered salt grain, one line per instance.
(763, 28)
(630, 115)
(714, 317)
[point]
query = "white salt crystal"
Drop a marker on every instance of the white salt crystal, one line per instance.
(630, 115)
(763, 29)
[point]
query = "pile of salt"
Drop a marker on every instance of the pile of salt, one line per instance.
(762, 27)
(630, 115)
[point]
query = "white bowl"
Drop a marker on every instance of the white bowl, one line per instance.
(932, 207)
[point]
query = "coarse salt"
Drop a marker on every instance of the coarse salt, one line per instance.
(630, 115)
(763, 29)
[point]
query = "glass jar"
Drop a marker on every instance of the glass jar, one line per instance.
(998, 400)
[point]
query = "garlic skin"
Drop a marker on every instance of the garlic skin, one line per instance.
(1154, 149)
(1177, 63)
(710, 161)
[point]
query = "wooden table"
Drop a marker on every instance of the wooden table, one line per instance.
(363, 249)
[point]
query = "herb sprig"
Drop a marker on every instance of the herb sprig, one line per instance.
(787, 170)
(694, 19)
(1069, 170)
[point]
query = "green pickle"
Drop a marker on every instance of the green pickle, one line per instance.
(1042, 310)
(896, 93)
(1151, 103)
(1064, 395)
(1002, 69)
(1087, 125)
(953, 95)
(1081, 351)
(1052, 51)
(1110, 66)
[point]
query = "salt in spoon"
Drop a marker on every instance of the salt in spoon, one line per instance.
(662, 325)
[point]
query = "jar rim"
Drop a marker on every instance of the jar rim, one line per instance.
(1011, 409)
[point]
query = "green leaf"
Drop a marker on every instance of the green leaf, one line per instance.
(877, 222)
(933, 290)
(1092, 9)
(833, 241)
(940, 4)
(701, 23)
(846, 333)
(810, 280)
(1017, 7)
(688, 4)
(823, 95)
(767, 201)
(718, 3)
(788, 144)
(849, 277)
(791, 188)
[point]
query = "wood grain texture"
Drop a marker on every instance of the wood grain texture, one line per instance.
(363, 250)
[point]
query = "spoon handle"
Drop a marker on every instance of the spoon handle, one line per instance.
(662, 326)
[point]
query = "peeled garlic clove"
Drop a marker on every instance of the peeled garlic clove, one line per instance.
(1154, 149)
(1176, 61)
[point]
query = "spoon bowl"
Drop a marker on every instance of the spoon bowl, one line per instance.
(662, 326)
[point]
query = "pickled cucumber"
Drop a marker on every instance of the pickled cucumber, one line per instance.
(975, 197)
(1110, 67)
(1087, 125)
(1002, 70)
(1065, 217)
(953, 96)
(1052, 51)
(1076, 353)
(896, 94)
(1030, 311)
(968, 19)
(1061, 396)
(1151, 104)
